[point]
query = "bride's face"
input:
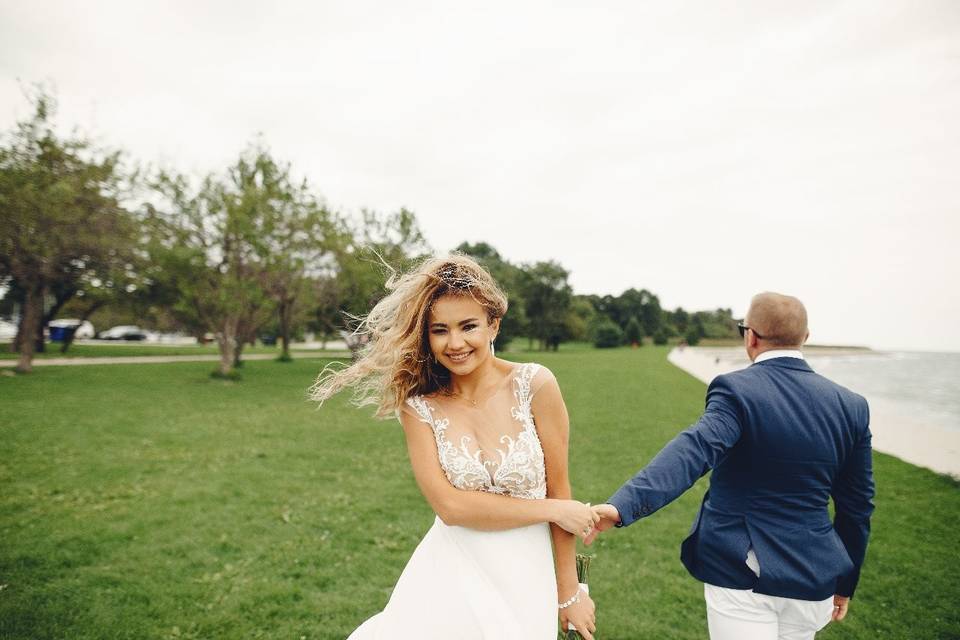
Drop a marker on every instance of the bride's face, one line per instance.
(460, 334)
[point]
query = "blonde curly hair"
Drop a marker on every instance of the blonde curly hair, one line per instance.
(396, 363)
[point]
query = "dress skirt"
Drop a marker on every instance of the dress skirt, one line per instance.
(466, 584)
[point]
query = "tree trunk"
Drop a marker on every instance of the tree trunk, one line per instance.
(17, 339)
(60, 298)
(285, 307)
(26, 337)
(227, 342)
(86, 316)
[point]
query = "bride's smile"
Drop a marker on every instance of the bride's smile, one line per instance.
(460, 333)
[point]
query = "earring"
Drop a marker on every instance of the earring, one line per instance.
(492, 350)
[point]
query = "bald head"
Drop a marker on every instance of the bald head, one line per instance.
(780, 319)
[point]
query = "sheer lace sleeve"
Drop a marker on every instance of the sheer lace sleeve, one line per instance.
(417, 407)
(541, 376)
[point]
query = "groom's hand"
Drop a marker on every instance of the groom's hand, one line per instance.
(609, 517)
(840, 605)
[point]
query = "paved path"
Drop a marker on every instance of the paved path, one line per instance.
(50, 362)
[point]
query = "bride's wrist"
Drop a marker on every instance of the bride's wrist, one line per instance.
(570, 597)
(552, 509)
(566, 585)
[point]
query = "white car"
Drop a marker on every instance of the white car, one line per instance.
(81, 330)
(123, 332)
(8, 330)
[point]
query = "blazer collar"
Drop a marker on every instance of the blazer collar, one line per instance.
(785, 363)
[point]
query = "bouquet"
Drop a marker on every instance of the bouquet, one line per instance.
(583, 573)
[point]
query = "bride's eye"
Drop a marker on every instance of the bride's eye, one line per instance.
(469, 327)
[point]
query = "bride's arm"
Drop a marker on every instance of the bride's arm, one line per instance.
(479, 509)
(553, 428)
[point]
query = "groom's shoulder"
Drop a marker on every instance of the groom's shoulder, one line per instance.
(850, 396)
(735, 378)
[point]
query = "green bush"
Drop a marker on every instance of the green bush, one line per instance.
(633, 333)
(607, 335)
(692, 337)
(660, 337)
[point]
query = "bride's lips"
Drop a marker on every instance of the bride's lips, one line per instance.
(459, 357)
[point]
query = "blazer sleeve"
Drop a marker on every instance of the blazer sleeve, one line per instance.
(853, 493)
(685, 459)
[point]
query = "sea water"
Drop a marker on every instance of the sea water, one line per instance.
(920, 384)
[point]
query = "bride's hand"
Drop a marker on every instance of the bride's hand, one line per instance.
(582, 615)
(575, 517)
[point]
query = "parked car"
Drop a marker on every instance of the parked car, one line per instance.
(60, 329)
(8, 330)
(123, 332)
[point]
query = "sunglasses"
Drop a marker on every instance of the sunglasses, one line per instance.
(742, 328)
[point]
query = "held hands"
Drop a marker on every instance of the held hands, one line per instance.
(607, 517)
(575, 517)
(582, 615)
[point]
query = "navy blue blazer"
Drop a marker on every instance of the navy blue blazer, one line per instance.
(781, 440)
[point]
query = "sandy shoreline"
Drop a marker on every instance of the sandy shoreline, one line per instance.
(900, 435)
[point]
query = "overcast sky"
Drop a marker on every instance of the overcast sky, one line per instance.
(702, 150)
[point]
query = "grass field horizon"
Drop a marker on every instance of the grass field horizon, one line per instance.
(150, 501)
(138, 349)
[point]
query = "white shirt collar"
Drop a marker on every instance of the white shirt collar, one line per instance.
(778, 353)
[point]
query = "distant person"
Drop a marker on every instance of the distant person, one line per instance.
(487, 441)
(781, 440)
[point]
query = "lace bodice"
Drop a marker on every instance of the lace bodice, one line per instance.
(515, 467)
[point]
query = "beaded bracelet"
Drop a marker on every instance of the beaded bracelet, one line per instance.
(573, 599)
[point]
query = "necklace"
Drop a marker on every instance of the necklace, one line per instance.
(473, 401)
(457, 394)
(476, 402)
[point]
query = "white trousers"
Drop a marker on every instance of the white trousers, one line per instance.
(735, 614)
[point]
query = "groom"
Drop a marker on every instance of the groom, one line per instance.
(781, 440)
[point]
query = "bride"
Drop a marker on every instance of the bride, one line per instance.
(487, 440)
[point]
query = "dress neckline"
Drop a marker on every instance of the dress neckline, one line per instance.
(492, 393)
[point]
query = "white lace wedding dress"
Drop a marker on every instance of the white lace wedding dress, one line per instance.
(466, 584)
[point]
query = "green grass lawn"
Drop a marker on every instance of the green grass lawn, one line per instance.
(150, 501)
(127, 349)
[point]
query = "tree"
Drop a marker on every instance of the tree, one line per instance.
(372, 247)
(63, 223)
(213, 245)
(607, 334)
(580, 317)
(547, 295)
(326, 317)
(680, 318)
(633, 334)
(300, 237)
(115, 283)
